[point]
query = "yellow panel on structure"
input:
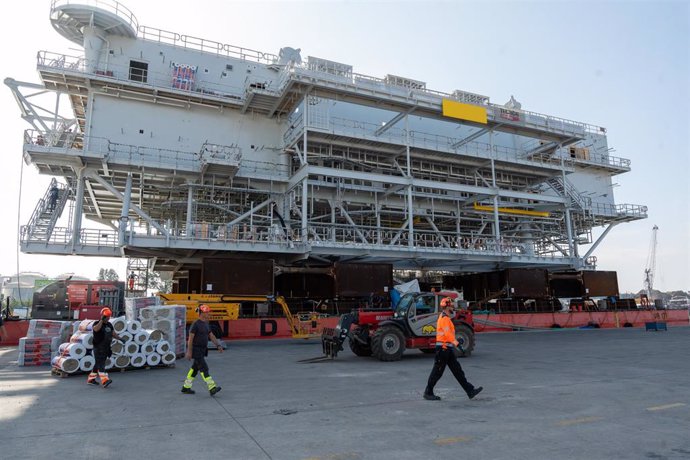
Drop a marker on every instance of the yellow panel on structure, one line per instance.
(222, 307)
(519, 212)
(462, 111)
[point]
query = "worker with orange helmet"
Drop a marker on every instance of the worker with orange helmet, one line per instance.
(445, 354)
(197, 349)
(103, 334)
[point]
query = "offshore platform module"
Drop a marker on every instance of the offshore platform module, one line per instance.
(186, 148)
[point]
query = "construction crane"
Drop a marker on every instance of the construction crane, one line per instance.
(650, 269)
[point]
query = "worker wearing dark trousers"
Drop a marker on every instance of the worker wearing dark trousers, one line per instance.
(197, 349)
(103, 334)
(445, 354)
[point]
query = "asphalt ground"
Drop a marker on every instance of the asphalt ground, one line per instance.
(563, 394)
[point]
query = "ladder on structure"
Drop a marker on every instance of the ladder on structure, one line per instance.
(48, 211)
(567, 190)
(137, 277)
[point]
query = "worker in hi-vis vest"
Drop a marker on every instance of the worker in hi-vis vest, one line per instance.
(445, 354)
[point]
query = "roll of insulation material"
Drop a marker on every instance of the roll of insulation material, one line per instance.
(86, 325)
(137, 360)
(109, 363)
(131, 348)
(126, 336)
(168, 358)
(167, 313)
(162, 347)
(148, 348)
(164, 325)
(147, 314)
(133, 326)
(154, 334)
(66, 364)
(154, 359)
(86, 363)
(119, 323)
(84, 338)
(141, 337)
(147, 323)
(117, 347)
(122, 361)
(73, 350)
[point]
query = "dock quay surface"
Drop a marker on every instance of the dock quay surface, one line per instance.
(561, 394)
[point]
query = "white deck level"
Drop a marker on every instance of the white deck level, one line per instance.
(187, 148)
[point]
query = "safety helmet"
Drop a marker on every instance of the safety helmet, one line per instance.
(204, 309)
(106, 312)
(447, 302)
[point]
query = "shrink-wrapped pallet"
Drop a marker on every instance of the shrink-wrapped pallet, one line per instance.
(171, 321)
(133, 306)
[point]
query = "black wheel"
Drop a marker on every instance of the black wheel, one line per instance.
(428, 351)
(357, 347)
(388, 343)
(465, 336)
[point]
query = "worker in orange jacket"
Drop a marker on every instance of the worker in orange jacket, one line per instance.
(445, 354)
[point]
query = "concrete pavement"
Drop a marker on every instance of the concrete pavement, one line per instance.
(575, 394)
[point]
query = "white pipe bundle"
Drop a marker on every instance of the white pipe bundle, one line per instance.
(162, 347)
(154, 334)
(122, 361)
(117, 347)
(137, 360)
(86, 325)
(148, 348)
(133, 326)
(126, 336)
(72, 350)
(131, 348)
(141, 337)
(153, 359)
(86, 363)
(66, 364)
(168, 358)
(119, 323)
(109, 363)
(84, 338)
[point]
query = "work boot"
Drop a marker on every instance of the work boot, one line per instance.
(475, 392)
(431, 397)
(188, 391)
(92, 382)
(214, 390)
(106, 383)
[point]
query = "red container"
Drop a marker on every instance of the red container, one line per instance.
(90, 312)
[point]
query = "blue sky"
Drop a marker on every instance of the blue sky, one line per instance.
(621, 65)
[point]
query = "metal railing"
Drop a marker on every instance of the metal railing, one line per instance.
(111, 6)
(206, 46)
(380, 85)
(122, 73)
(149, 157)
(619, 210)
(63, 236)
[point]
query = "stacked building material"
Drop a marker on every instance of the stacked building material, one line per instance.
(171, 321)
(141, 347)
(133, 305)
(36, 351)
(41, 342)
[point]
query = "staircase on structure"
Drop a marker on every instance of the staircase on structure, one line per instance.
(48, 211)
(566, 189)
